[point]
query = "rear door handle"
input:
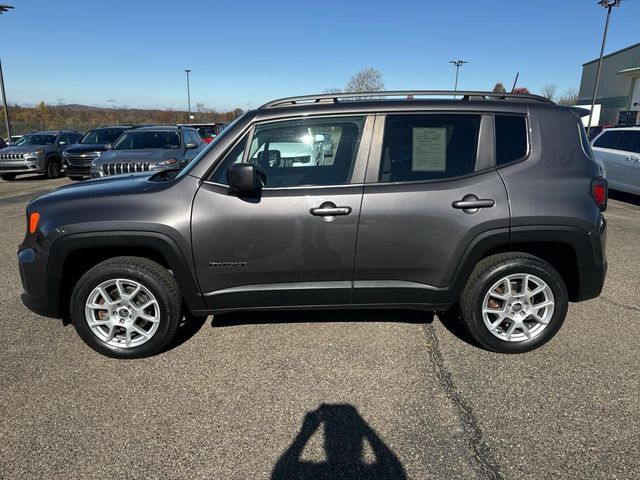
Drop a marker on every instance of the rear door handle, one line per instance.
(329, 209)
(471, 203)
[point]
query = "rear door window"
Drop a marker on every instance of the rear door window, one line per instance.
(511, 138)
(608, 139)
(428, 147)
(629, 141)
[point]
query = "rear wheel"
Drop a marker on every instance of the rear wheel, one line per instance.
(126, 307)
(8, 176)
(513, 302)
(54, 168)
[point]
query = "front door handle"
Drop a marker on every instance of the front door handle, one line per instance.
(471, 203)
(329, 209)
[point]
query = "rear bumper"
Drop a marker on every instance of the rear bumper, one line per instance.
(593, 272)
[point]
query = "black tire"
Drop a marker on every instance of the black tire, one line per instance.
(155, 278)
(489, 271)
(53, 168)
(8, 176)
(75, 178)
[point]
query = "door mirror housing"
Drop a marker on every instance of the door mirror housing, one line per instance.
(108, 146)
(62, 143)
(243, 177)
(190, 146)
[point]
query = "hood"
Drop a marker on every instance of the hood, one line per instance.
(152, 155)
(86, 147)
(101, 187)
(25, 149)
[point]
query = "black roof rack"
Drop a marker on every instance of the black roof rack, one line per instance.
(411, 94)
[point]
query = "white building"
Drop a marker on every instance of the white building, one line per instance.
(619, 86)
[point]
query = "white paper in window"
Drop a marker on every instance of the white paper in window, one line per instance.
(429, 149)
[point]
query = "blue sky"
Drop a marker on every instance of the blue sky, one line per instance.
(243, 53)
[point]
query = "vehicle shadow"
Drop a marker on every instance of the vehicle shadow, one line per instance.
(450, 319)
(188, 327)
(320, 316)
(625, 197)
(346, 436)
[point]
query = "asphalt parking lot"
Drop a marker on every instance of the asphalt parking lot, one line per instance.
(339, 394)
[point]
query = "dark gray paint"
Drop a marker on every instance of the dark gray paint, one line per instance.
(408, 245)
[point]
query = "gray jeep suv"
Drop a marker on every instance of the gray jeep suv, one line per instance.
(37, 152)
(147, 149)
(490, 202)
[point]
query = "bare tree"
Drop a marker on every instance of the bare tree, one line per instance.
(550, 91)
(569, 97)
(366, 80)
(332, 90)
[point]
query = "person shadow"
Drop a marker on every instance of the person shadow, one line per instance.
(345, 434)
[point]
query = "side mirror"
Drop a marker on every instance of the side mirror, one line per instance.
(243, 177)
(62, 143)
(190, 146)
(108, 146)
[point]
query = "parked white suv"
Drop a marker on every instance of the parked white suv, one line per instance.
(617, 150)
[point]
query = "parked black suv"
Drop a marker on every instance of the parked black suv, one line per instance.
(491, 201)
(77, 158)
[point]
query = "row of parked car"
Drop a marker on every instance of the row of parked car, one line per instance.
(617, 151)
(104, 151)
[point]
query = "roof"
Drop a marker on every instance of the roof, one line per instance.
(612, 54)
(379, 97)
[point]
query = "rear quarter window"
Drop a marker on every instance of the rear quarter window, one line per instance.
(511, 138)
(629, 141)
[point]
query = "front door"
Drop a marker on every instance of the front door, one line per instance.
(294, 243)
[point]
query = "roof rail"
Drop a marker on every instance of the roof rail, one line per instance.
(349, 96)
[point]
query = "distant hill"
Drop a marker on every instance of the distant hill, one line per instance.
(85, 117)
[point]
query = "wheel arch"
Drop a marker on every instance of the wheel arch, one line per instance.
(565, 248)
(71, 256)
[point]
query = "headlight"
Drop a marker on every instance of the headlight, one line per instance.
(65, 154)
(94, 164)
(171, 161)
(36, 152)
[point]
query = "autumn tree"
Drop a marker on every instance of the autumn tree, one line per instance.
(521, 90)
(499, 88)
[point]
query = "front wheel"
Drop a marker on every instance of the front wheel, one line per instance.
(514, 302)
(54, 168)
(126, 307)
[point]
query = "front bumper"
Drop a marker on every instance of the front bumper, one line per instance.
(29, 164)
(75, 171)
(41, 294)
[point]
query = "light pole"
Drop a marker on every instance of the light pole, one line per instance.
(457, 64)
(3, 9)
(188, 93)
(608, 4)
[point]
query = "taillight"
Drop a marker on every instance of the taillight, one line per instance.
(599, 192)
(34, 218)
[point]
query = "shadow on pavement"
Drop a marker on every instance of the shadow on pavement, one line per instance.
(625, 197)
(346, 435)
(321, 316)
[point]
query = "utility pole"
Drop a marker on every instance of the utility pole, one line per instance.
(457, 64)
(608, 4)
(3, 9)
(188, 94)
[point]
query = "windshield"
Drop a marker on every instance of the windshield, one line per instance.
(36, 140)
(148, 139)
(203, 153)
(102, 135)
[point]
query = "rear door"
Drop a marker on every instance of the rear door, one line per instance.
(431, 189)
(294, 243)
